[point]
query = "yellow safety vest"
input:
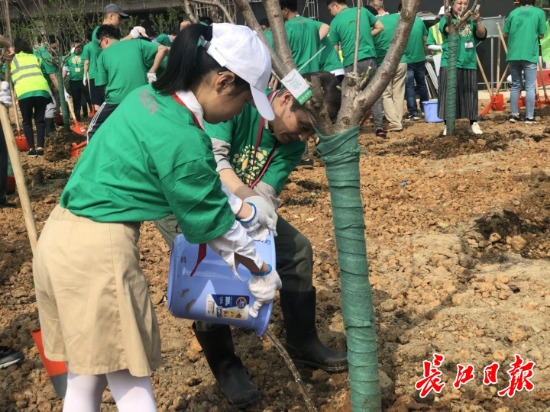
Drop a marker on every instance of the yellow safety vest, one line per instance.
(27, 75)
(438, 37)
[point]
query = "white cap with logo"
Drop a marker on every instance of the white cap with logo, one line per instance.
(239, 49)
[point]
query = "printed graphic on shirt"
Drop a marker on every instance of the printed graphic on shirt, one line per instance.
(246, 166)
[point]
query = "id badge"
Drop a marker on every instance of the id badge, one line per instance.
(469, 45)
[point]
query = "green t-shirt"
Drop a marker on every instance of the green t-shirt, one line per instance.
(328, 58)
(342, 31)
(47, 62)
(269, 34)
(523, 27)
(123, 67)
(149, 160)
(242, 132)
(383, 40)
(92, 51)
(75, 63)
(467, 40)
(414, 51)
(164, 40)
(303, 38)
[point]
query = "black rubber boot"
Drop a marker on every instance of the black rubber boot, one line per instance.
(217, 346)
(50, 126)
(302, 342)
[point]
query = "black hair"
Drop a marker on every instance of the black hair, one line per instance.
(264, 22)
(52, 39)
(292, 5)
(372, 10)
(188, 62)
(343, 2)
(106, 30)
(89, 33)
(399, 7)
(173, 31)
(527, 2)
(21, 45)
(332, 96)
(206, 20)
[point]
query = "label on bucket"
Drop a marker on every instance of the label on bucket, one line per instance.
(227, 306)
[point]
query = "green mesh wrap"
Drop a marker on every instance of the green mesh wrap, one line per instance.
(450, 98)
(340, 153)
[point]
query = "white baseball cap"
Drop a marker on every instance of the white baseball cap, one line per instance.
(441, 11)
(239, 49)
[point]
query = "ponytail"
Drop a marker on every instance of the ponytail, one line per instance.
(188, 61)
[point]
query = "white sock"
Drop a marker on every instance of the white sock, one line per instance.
(84, 392)
(131, 393)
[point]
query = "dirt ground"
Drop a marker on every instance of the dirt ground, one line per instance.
(458, 239)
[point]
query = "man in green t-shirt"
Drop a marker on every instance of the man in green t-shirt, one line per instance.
(343, 34)
(122, 67)
(304, 36)
(524, 27)
(254, 159)
(47, 53)
(74, 69)
(112, 14)
(394, 95)
(415, 57)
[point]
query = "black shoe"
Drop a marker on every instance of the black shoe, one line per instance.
(9, 356)
(32, 152)
(413, 118)
(514, 118)
(302, 343)
(5, 203)
(530, 120)
(40, 151)
(381, 133)
(217, 345)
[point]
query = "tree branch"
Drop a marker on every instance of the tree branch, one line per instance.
(218, 4)
(189, 12)
(280, 39)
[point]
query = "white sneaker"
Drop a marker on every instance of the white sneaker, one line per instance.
(444, 131)
(475, 129)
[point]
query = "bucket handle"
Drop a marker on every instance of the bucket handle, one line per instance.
(200, 257)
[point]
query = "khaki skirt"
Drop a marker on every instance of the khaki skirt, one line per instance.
(93, 299)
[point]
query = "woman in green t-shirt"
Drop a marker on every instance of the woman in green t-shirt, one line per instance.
(470, 34)
(150, 158)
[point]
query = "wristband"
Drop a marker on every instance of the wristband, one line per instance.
(249, 219)
(267, 272)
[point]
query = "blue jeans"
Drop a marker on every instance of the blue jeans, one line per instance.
(416, 72)
(530, 72)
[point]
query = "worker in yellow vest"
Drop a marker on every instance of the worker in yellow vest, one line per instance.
(33, 93)
(435, 41)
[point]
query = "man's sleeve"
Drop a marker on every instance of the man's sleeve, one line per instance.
(101, 76)
(542, 24)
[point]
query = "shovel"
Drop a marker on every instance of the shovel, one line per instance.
(57, 371)
(78, 129)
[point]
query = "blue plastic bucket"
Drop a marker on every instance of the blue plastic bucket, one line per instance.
(430, 111)
(213, 294)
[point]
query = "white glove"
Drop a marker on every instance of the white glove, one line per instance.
(258, 225)
(67, 95)
(151, 77)
(266, 209)
(85, 80)
(263, 287)
(5, 95)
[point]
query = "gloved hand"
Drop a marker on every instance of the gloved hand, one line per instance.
(5, 95)
(85, 80)
(258, 225)
(263, 286)
(67, 95)
(151, 77)
(262, 205)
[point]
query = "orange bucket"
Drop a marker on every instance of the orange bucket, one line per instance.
(521, 101)
(497, 102)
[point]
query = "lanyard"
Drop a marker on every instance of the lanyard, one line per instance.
(256, 147)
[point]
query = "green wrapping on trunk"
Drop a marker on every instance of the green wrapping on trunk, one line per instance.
(340, 153)
(450, 98)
